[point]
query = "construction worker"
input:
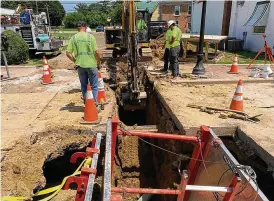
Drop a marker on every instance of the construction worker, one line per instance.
(167, 36)
(88, 30)
(174, 42)
(82, 50)
(141, 26)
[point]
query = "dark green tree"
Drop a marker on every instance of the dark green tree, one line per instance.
(17, 50)
(56, 9)
(116, 12)
(71, 19)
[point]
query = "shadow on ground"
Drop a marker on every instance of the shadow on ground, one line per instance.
(73, 91)
(71, 107)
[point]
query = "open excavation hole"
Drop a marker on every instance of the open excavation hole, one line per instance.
(158, 169)
(57, 165)
(246, 155)
(131, 118)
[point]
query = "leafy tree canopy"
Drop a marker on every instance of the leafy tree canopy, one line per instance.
(95, 14)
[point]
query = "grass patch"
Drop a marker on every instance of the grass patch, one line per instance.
(34, 62)
(73, 29)
(244, 57)
(65, 36)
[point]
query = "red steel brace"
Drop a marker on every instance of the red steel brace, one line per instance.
(116, 198)
(184, 181)
(194, 164)
(235, 184)
(115, 122)
(165, 136)
(81, 182)
(89, 152)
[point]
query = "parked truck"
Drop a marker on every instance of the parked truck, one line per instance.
(34, 29)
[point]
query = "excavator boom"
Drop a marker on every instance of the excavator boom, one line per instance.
(132, 96)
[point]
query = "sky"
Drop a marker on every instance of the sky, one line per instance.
(69, 4)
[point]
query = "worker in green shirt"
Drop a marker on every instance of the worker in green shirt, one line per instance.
(142, 27)
(174, 43)
(168, 36)
(82, 50)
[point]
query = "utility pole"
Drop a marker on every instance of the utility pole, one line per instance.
(199, 69)
(36, 7)
(47, 6)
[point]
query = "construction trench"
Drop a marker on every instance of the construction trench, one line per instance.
(45, 161)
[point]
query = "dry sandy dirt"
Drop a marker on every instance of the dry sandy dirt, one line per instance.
(256, 96)
(41, 122)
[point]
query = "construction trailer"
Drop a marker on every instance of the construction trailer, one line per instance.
(34, 29)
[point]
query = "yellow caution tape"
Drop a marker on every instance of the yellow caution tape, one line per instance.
(13, 198)
(55, 190)
(88, 162)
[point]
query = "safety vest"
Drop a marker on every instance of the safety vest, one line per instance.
(83, 46)
(89, 52)
(141, 24)
(168, 38)
(178, 38)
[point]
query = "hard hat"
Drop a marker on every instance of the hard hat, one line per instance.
(88, 30)
(170, 22)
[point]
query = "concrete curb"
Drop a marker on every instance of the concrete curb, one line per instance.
(219, 81)
(21, 66)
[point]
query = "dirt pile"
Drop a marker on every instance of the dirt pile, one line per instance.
(122, 68)
(61, 62)
(158, 50)
(128, 152)
(22, 174)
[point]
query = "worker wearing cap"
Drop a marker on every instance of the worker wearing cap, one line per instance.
(174, 42)
(82, 50)
(141, 26)
(88, 30)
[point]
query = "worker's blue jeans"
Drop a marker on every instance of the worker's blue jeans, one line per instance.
(89, 75)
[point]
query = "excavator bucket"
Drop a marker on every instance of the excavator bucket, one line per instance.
(146, 55)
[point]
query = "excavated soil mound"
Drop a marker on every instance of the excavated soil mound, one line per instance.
(158, 50)
(61, 62)
(22, 167)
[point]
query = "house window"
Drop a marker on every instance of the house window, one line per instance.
(177, 10)
(189, 10)
(188, 27)
(259, 29)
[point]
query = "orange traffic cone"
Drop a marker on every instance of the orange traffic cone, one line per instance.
(237, 101)
(46, 75)
(45, 62)
(234, 67)
(101, 98)
(91, 114)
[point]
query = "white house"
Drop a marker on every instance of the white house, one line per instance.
(247, 20)
(6, 11)
(253, 19)
(214, 17)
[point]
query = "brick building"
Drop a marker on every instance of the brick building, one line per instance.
(179, 11)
